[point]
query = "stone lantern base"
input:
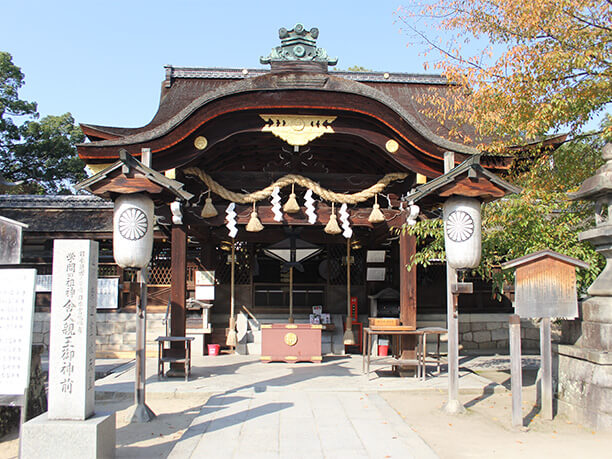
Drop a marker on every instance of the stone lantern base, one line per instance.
(585, 369)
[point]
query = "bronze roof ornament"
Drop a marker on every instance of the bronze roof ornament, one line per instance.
(298, 45)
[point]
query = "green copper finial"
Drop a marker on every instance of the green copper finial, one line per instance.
(298, 44)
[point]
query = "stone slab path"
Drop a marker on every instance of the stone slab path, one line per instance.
(293, 424)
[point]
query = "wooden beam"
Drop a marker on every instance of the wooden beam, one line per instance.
(178, 289)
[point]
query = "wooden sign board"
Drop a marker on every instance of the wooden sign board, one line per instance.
(108, 293)
(204, 285)
(375, 256)
(545, 285)
(16, 316)
(375, 274)
(205, 278)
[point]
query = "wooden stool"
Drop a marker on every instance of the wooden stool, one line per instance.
(169, 355)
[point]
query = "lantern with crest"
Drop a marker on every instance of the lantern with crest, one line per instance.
(462, 232)
(133, 230)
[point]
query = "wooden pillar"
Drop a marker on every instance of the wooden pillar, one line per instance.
(546, 370)
(408, 293)
(516, 370)
(178, 288)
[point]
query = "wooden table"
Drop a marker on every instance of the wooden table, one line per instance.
(169, 355)
(438, 331)
(389, 330)
(421, 333)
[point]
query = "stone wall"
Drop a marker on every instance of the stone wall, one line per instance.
(115, 333)
(490, 331)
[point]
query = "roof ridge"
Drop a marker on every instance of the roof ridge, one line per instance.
(32, 201)
(173, 72)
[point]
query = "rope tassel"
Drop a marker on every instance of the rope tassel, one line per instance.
(332, 225)
(209, 209)
(291, 206)
(376, 216)
(254, 225)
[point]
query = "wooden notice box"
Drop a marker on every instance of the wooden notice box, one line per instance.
(291, 343)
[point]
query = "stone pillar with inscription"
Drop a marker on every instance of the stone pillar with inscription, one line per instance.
(72, 362)
(73, 329)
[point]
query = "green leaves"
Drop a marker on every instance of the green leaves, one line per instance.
(541, 217)
(41, 153)
(11, 79)
(551, 70)
(538, 67)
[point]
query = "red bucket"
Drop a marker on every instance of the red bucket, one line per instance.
(213, 349)
(383, 350)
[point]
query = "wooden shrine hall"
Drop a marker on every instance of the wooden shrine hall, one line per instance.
(245, 160)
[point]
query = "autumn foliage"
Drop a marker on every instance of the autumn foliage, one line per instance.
(521, 69)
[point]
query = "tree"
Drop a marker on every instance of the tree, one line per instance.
(11, 79)
(517, 72)
(541, 217)
(545, 66)
(41, 153)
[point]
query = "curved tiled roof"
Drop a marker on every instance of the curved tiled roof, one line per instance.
(186, 90)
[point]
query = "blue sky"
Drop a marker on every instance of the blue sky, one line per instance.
(103, 60)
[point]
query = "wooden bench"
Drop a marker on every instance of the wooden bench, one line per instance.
(170, 355)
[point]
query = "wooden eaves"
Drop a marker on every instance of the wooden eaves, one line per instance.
(546, 253)
(128, 175)
(468, 179)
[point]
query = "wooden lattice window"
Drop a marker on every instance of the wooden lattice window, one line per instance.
(160, 273)
(337, 265)
(108, 270)
(242, 272)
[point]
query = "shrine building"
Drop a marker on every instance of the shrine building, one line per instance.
(301, 170)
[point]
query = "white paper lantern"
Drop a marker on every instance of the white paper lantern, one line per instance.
(462, 232)
(133, 230)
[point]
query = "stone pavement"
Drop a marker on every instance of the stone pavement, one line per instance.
(293, 410)
(296, 424)
(230, 373)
